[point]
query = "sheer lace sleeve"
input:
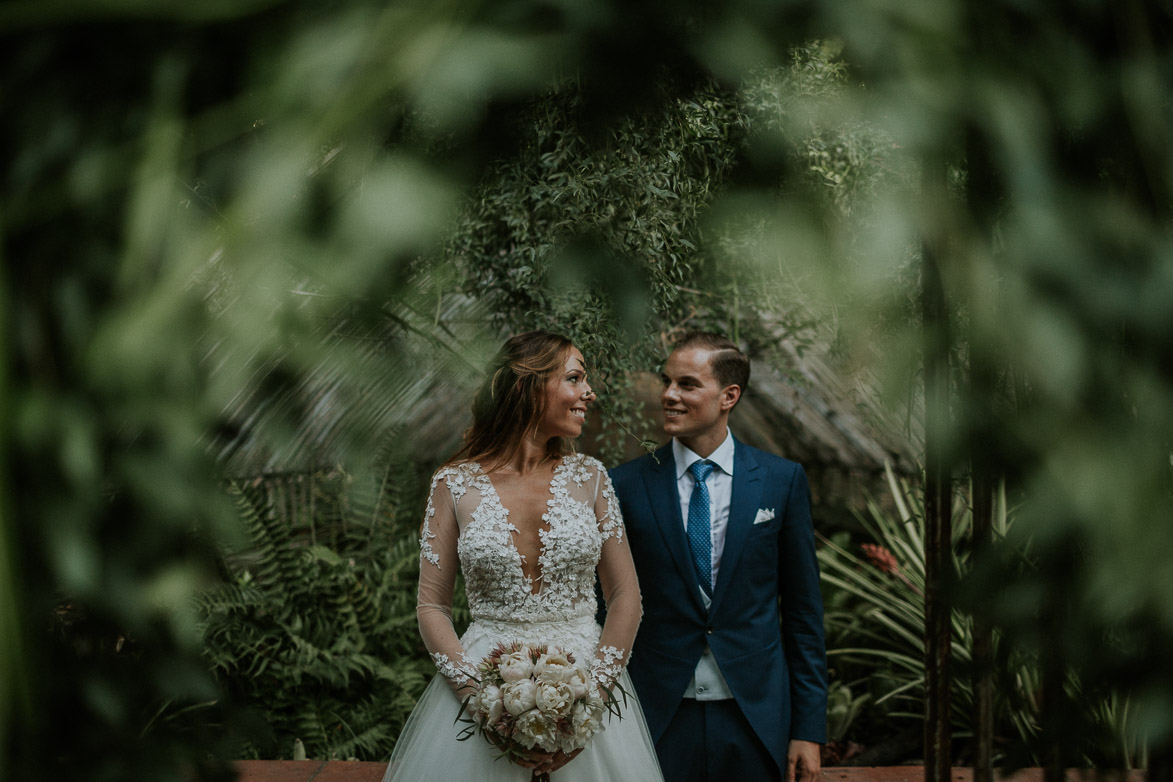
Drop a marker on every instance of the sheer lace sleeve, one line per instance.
(438, 565)
(619, 584)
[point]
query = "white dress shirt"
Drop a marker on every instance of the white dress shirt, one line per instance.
(707, 682)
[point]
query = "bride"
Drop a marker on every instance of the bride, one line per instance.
(530, 524)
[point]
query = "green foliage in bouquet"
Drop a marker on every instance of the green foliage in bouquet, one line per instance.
(875, 631)
(316, 634)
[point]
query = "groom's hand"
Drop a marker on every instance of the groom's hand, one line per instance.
(803, 763)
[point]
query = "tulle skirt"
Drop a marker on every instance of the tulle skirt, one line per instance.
(428, 750)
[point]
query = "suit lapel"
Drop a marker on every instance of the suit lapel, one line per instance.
(664, 498)
(747, 495)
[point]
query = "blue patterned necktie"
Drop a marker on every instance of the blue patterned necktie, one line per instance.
(699, 526)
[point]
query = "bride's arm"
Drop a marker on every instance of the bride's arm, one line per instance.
(438, 565)
(619, 584)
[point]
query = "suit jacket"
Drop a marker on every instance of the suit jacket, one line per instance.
(765, 624)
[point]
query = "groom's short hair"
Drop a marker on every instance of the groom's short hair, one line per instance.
(729, 364)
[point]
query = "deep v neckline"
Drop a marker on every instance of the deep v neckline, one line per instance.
(511, 530)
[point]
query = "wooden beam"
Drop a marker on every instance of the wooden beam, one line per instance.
(938, 522)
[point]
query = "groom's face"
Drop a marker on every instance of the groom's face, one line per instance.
(693, 402)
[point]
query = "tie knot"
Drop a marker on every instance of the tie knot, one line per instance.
(700, 470)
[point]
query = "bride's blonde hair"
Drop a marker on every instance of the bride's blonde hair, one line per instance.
(512, 399)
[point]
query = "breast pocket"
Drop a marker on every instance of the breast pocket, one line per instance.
(769, 527)
(761, 547)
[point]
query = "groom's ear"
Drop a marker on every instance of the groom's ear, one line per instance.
(729, 396)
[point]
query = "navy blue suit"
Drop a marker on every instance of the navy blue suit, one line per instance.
(765, 625)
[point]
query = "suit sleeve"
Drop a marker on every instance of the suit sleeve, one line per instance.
(802, 616)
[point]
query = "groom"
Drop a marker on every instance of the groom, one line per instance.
(729, 662)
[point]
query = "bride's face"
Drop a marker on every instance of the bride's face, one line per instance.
(567, 396)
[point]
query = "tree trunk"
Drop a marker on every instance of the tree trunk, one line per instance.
(938, 745)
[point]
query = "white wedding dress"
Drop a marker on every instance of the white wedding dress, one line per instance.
(467, 526)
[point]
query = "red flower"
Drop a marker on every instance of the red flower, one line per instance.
(881, 558)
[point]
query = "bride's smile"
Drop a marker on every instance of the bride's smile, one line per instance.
(568, 394)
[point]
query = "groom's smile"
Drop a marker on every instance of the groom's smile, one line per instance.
(693, 401)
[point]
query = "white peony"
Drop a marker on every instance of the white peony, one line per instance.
(519, 696)
(579, 681)
(553, 666)
(586, 719)
(489, 702)
(516, 666)
(554, 698)
(534, 728)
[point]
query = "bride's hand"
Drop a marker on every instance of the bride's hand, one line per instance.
(547, 762)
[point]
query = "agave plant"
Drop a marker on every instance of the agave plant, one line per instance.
(875, 631)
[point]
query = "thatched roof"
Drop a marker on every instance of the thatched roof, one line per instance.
(802, 409)
(381, 376)
(833, 425)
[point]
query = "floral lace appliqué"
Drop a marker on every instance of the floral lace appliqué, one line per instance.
(607, 666)
(495, 582)
(557, 605)
(610, 523)
(454, 479)
(456, 672)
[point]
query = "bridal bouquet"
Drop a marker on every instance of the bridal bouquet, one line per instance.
(535, 699)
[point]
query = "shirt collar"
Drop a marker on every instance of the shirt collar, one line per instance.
(722, 457)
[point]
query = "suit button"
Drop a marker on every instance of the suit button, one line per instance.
(708, 631)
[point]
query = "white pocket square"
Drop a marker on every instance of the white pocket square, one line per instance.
(764, 515)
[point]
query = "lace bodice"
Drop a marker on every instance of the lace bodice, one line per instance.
(467, 525)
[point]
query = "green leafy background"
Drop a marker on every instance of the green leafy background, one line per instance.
(275, 240)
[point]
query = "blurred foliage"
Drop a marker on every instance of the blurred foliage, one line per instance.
(546, 242)
(242, 213)
(596, 232)
(875, 623)
(314, 637)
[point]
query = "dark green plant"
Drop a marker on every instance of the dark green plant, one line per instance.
(593, 231)
(875, 632)
(315, 634)
(603, 232)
